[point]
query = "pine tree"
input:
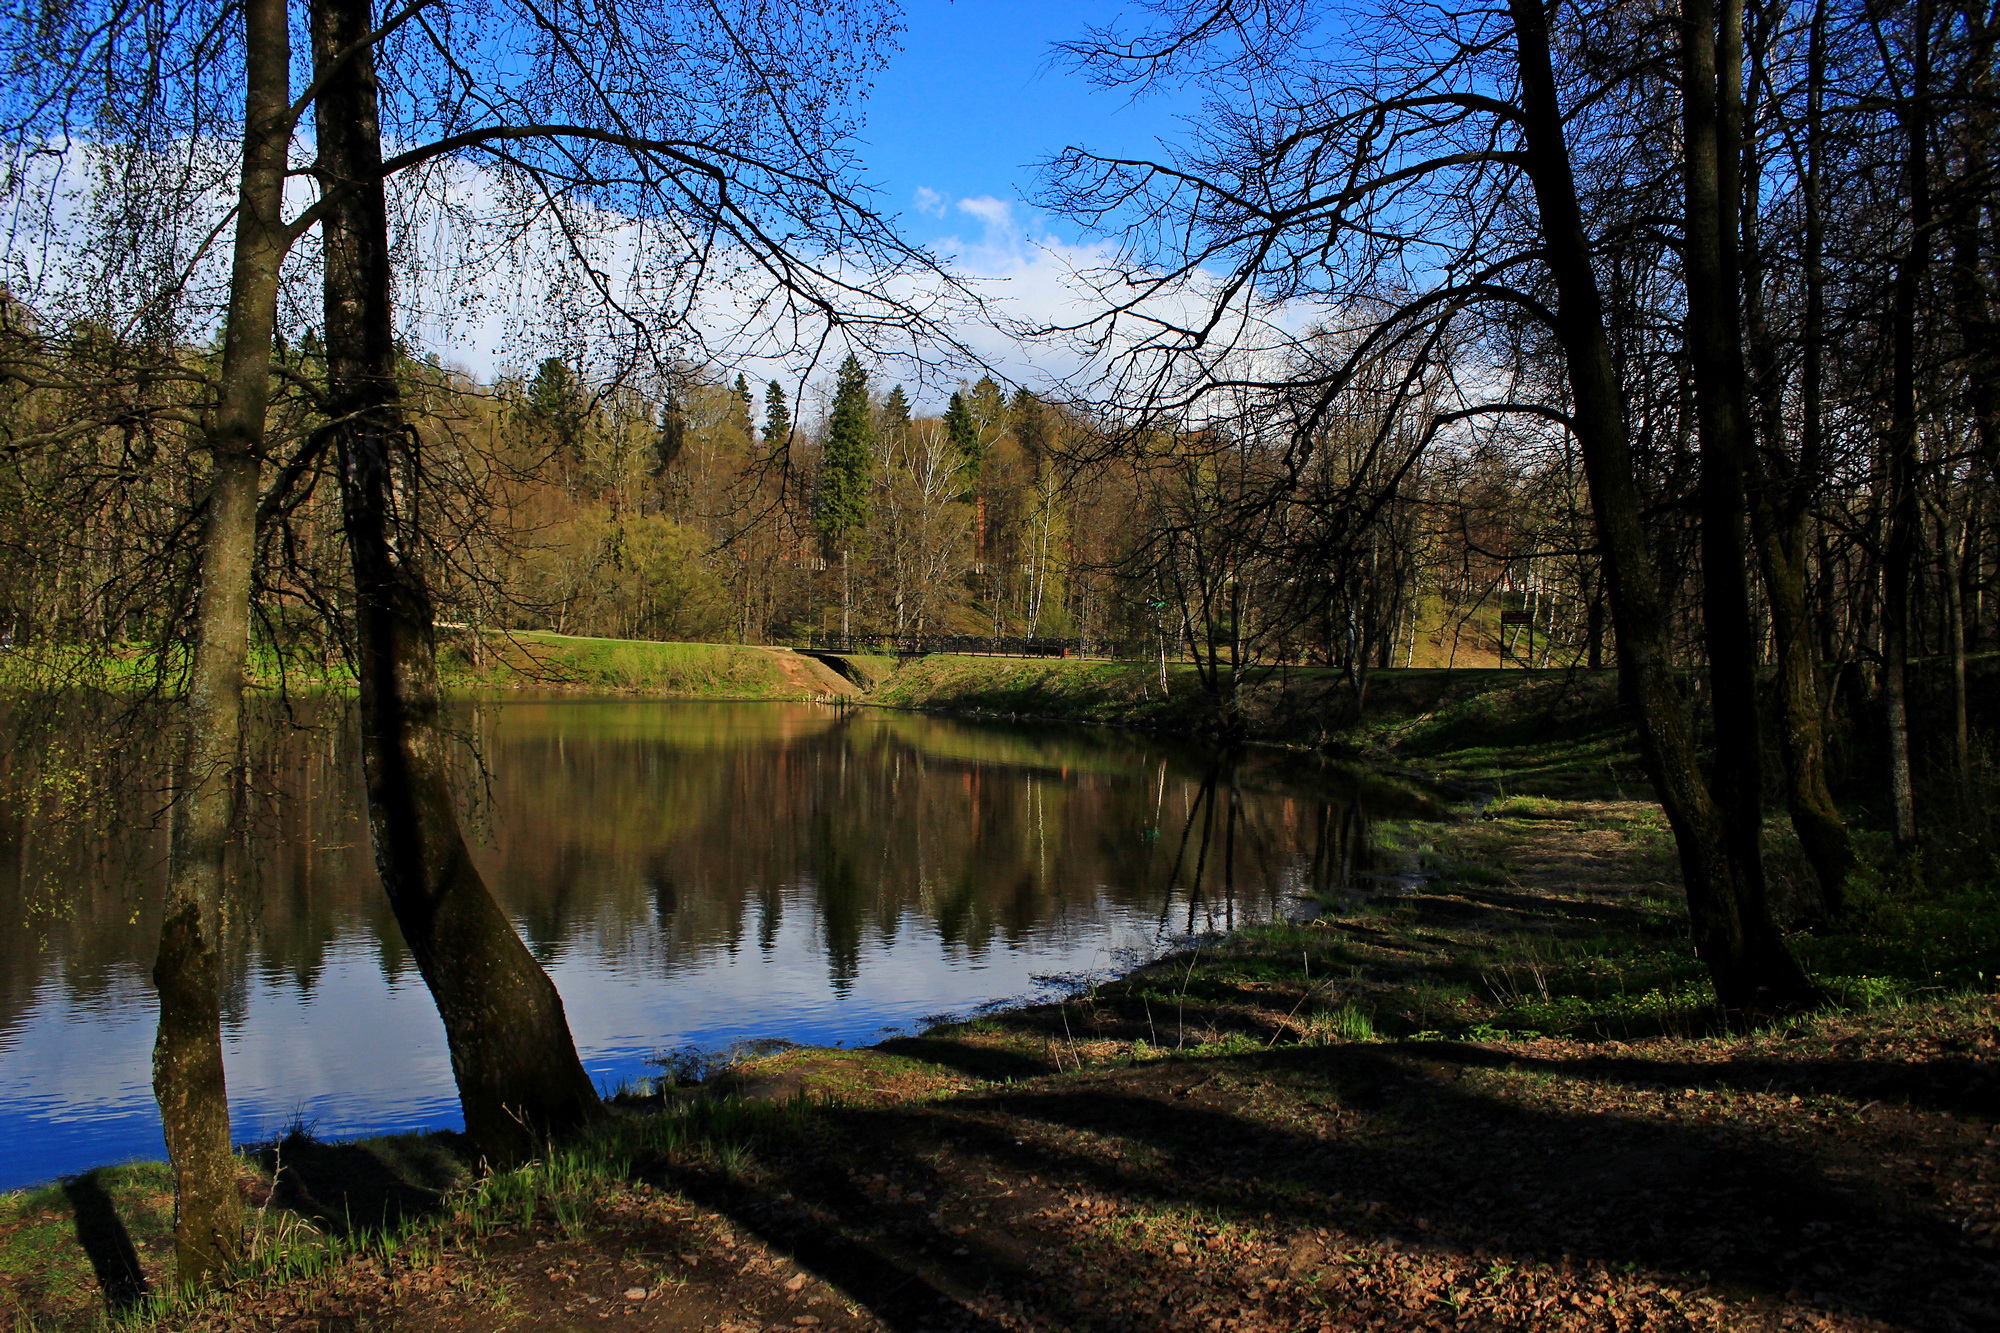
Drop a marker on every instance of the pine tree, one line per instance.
(553, 390)
(1031, 423)
(667, 445)
(846, 462)
(895, 411)
(743, 408)
(555, 396)
(846, 468)
(963, 432)
(777, 417)
(987, 405)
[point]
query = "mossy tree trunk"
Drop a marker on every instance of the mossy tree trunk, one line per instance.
(188, 1077)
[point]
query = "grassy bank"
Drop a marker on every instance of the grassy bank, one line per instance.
(1550, 732)
(636, 666)
(469, 661)
(1530, 731)
(1499, 1101)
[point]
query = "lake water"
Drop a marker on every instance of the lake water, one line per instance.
(692, 875)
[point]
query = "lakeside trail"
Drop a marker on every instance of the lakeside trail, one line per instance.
(1490, 1102)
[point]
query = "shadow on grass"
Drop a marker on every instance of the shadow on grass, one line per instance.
(993, 1064)
(1424, 1157)
(1954, 1085)
(822, 1222)
(106, 1242)
(345, 1188)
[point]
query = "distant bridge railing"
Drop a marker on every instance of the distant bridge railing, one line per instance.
(918, 645)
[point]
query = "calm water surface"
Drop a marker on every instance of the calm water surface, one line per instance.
(690, 874)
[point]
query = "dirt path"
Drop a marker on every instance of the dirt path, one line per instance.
(812, 675)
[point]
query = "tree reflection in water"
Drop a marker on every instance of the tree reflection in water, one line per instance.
(684, 869)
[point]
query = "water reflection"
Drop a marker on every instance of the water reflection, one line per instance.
(689, 873)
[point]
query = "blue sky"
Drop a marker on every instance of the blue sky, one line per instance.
(973, 101)
(954, 130)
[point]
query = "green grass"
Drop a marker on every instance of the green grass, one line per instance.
(505, 661)
(1125, 693)
(1901, 941)
(868, 669)
(41, 1261)
(53, 1284)
(1528, 732)
(680, 670)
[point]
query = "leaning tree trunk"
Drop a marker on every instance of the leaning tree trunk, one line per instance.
(187, 1055)
(519, 1079)
(1754, 971)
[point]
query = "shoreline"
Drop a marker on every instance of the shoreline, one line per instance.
(1387, 1084)
(1293, 1125)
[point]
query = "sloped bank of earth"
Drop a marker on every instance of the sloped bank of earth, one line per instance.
(1544, 731)
(1492, 1103)
(712, 671)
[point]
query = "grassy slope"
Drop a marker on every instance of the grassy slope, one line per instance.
(1535, 731)
(524, 660)
(678, 670)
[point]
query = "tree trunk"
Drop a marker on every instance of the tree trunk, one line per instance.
(1753, 970)
(1955, 550)
(188, 1076)
(519, 1079)
(1781, 500)
(1973, 301)
(1711, 91)
(1901, 448)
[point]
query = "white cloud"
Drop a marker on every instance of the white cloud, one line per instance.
(489, 285)
(997, 214)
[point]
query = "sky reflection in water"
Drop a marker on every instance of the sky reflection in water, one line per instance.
(691, 875)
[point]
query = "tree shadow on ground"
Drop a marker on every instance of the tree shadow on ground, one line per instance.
(823, 1222)
(344, 1188)
(1400, 1146)
(993, 1064)
(1960, 1086)
(106, 1242)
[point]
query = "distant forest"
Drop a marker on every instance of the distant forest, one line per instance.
(693, 508)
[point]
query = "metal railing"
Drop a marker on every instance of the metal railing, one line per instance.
(919, 645)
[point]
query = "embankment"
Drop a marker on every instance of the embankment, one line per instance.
(717, 671)
(1551, 732)
(1554, 732)
(1534, 730)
